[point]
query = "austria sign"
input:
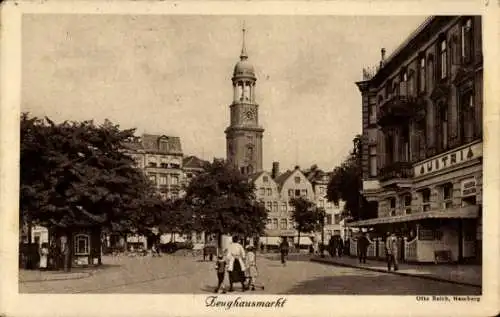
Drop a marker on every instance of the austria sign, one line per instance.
(449, 159)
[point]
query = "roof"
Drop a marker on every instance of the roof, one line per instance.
(253, 177)
(193, 162)
(407, 47)
(156, 143)
(280, 180)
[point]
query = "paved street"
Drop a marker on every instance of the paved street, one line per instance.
(177, 274)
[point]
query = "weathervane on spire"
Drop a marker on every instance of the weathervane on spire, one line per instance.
(243, 54)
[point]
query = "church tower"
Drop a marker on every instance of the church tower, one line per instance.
(244, 135)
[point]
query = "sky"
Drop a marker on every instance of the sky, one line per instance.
(171, 74)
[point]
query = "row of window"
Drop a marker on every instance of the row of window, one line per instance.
(164, 179)
(426, 71)
(399, 147)
(284, 224)
(273, 206)
(291, 192)
(445, 197)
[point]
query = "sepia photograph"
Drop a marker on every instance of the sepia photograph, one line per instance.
(237, 155)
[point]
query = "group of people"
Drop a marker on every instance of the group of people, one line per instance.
(240, 266)
(336, 246)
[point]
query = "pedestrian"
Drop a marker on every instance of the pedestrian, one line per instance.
(362, 248)
(331, 247)
(236, 264)
(391, 250)
(341, 246)
(220, 268)
(44, 255)
(251, 264)
(284, 248)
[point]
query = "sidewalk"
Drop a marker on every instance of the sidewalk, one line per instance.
(26, 276)
(470, 275)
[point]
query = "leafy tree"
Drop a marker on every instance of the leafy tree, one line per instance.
(76, 174)
(346, 184)
(306, 216)
(222, 201)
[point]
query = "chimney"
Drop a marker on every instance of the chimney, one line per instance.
(382, 57)
(297, 167)
(276, 170)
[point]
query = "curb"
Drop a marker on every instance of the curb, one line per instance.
(64, 277)
(427, 277)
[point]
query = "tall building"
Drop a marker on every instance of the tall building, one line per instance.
(161, 158)
(422, 141)
(244, 152)
(244, 135)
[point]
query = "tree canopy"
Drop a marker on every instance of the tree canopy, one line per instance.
(346, 184)
(77, 174)
(223, 201)
(306, 216)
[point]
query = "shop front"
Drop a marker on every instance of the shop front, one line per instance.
(435, 236)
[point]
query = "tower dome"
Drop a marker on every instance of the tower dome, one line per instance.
(244, 68)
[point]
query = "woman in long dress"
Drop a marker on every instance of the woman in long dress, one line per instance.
(236, 265)
(44, 254)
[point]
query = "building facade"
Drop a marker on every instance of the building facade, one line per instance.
(161, 158)
(275, 191)
(422, 141)
(244, 134)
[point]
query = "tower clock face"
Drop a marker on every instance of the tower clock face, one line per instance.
(248, 115)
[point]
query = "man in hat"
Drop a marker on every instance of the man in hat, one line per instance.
(391, 251)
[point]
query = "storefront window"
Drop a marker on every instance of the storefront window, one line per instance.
(82, 242)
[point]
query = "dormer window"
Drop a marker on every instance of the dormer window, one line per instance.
(163, 144)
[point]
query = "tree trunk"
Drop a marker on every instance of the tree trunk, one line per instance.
(298, 240)
(29, 231)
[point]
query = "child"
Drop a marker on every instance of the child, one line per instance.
(220, 268)
(251, 265)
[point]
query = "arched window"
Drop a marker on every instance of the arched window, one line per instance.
(82, 244)
(249, 153)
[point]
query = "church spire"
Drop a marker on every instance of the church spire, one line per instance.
(243, 55)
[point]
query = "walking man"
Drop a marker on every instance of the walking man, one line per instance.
(362, 248)
(391, 250)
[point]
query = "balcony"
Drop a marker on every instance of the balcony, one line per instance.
(397, 172)
(399, 108)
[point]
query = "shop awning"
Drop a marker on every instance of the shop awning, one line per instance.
(469, 212)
